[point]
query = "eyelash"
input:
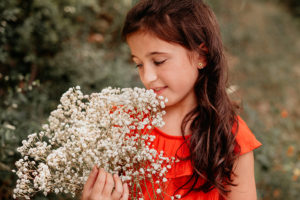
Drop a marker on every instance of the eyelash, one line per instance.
(155, 62)
(159, 62)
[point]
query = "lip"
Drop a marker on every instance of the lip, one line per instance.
(159, 90)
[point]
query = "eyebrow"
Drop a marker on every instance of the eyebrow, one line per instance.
(151, 54)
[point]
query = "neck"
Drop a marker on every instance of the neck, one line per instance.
(174, 117)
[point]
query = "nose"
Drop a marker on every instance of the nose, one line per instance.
(148, 74)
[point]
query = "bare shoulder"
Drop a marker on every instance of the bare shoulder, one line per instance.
(245, 180)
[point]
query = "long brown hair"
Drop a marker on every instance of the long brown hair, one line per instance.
(212, 144)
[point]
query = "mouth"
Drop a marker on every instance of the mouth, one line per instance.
(159, 90)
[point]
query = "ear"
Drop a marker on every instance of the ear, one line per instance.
(203, 47)
(202, 61)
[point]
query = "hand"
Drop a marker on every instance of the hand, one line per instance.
(103, 186)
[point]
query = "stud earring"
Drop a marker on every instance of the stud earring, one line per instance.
(200, 65)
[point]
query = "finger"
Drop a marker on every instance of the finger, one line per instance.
(90, 181)
(117, 193)
(125, 194)
(109, 185)
(100, 182)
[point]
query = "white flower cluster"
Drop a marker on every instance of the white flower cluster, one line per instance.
(110, 129)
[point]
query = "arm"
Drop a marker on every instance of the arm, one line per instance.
(244, 171)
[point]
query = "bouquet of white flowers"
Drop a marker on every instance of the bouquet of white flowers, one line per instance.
(110, 129)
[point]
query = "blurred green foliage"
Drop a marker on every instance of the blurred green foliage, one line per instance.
(48, 46)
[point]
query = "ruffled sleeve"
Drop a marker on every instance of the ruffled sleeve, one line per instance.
(244, 137)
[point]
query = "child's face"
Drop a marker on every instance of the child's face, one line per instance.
(165, 67)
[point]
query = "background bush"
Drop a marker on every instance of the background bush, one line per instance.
(48, 46)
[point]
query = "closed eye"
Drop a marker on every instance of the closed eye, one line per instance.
(159, 62)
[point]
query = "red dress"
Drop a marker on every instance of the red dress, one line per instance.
(181, 171)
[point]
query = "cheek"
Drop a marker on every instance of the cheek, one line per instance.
(186, 73)
(187, 79)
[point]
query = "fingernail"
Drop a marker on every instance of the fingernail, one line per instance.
(102, 170)
(94, 168)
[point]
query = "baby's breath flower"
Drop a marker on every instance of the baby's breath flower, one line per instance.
(110, 129)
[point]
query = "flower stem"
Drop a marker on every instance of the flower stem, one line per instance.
(147, 187)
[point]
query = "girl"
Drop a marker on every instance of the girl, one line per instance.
(177, 47)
